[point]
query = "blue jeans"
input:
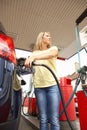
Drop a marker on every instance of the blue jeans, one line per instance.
(16, 103)
(48, 101)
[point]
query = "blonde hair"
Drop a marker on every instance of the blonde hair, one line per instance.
(38, 44)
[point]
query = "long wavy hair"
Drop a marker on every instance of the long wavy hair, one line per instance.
(38, 44)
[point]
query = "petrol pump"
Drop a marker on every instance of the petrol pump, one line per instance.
(82, 94)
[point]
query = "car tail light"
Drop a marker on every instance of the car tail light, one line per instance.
(7, 49)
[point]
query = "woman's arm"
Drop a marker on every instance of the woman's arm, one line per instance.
(42, 55)
(46, 54)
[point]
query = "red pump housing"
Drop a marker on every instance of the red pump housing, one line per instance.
(67, 89)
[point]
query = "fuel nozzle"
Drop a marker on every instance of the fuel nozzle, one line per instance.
(83, 76)
(83, 70)
(20, 62)
(21, 69)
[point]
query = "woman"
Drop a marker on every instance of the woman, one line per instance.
(46, 89)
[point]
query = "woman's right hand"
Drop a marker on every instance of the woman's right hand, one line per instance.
(29, 60)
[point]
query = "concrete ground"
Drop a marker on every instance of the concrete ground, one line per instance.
(24, 125)
(33, 122)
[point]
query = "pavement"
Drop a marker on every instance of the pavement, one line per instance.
(64, 125)
(24, 125)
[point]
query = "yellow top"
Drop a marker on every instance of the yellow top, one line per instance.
(42, 76)
(16, 83)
